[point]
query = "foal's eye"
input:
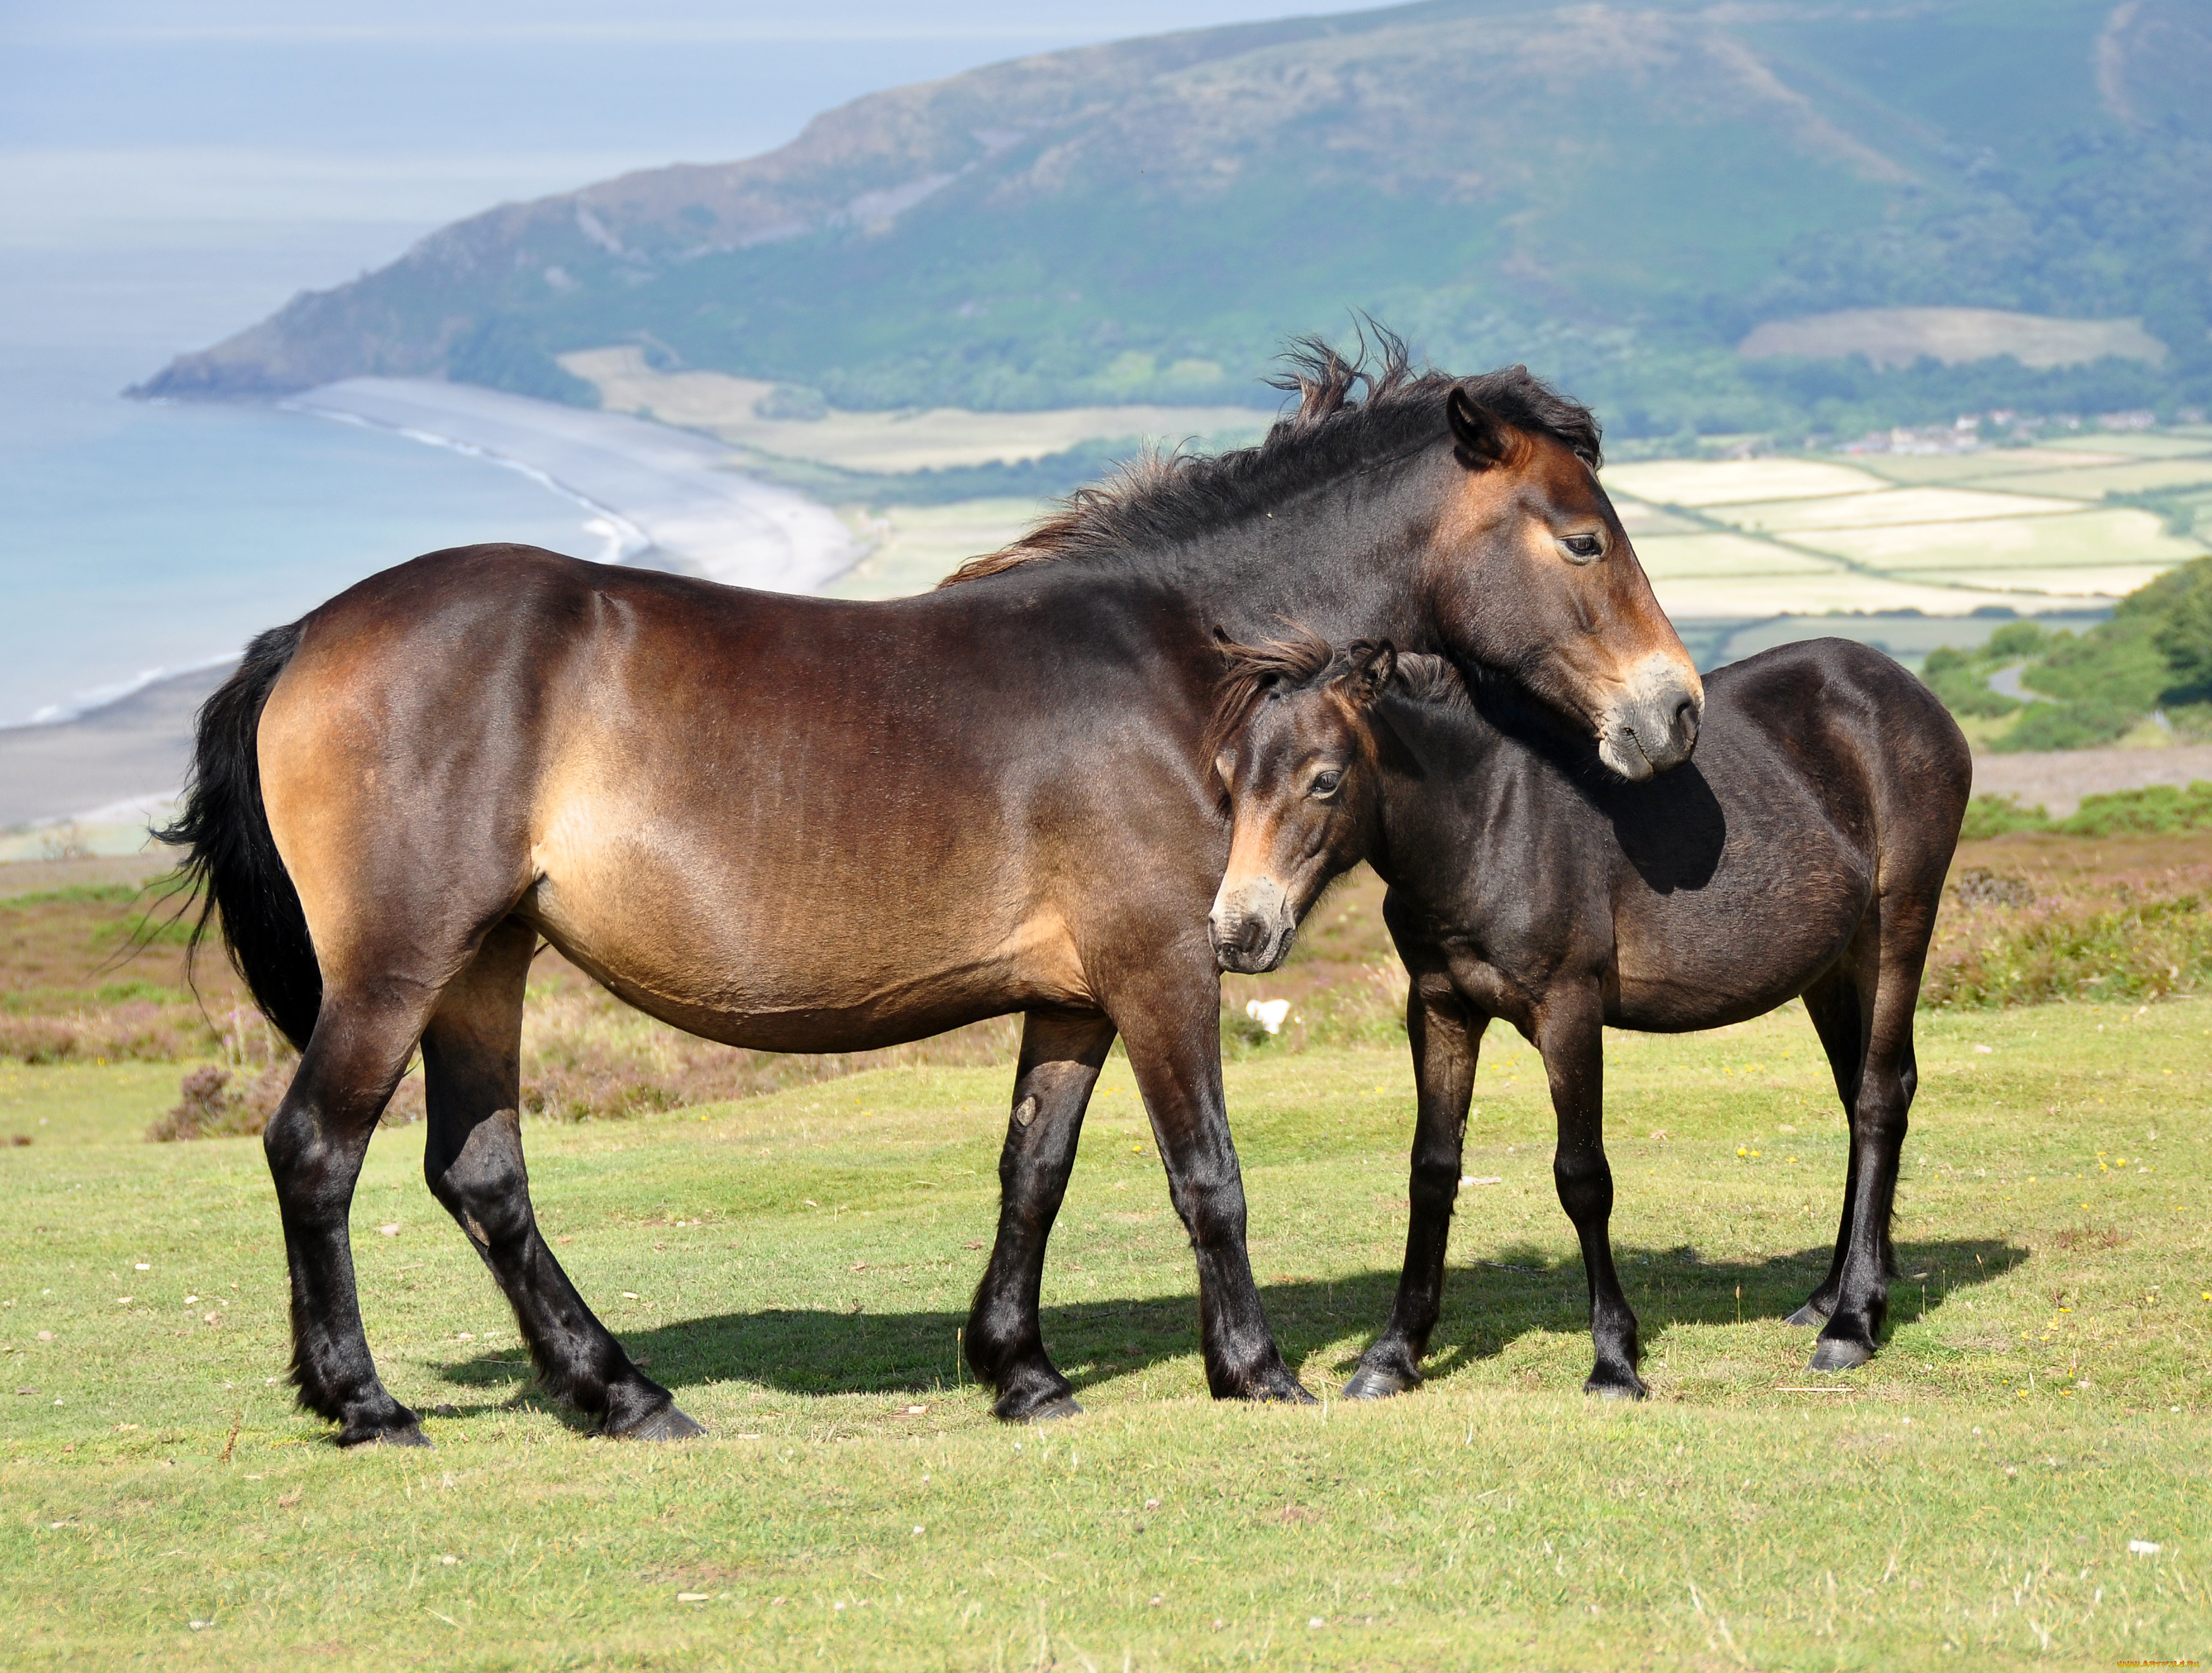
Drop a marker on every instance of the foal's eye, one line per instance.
(1325, 783)
(1583, 548)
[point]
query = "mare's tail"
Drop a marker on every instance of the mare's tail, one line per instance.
(232, 862)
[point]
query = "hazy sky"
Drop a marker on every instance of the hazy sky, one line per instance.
(246, 109)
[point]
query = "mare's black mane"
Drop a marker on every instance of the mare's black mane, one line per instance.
(1351, 413)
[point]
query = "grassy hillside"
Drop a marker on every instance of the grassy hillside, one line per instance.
(2018, 1479)
(1617, 197)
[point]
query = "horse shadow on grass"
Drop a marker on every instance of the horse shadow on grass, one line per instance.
(1489, 1304)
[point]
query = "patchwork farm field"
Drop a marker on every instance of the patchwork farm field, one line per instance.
(2021, 1477)
(2029, 528)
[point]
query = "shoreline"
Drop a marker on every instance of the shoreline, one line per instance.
(669, 498)
(657, 497)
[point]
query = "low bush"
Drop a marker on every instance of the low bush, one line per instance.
(2139, 937)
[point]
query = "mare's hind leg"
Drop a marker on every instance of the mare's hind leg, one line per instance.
(1887, 1079)
(1062, 1055)
(472, 1059)
(315, 1143)
(1445, 1039)
(1569, 1034)
(1833, 1004)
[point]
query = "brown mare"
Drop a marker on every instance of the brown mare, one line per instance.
(1802, 852)
(799, 825)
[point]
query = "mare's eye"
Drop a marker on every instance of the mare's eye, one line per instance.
(1325, 784)
(1583, 548)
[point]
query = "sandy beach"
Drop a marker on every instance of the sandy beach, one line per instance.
(666, 496)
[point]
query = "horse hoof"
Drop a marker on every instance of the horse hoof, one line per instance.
(1035, 1401)
(1373, 1382)
(1284, 1389)
(1807, 1317)
(1610, 1387)
(666, 1424)
(408, 1434)
(1052, 1411)
(1837, 1353)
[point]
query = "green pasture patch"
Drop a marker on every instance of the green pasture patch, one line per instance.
(798, 1266)
(81, 1104)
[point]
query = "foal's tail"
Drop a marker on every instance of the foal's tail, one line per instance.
(233, 863)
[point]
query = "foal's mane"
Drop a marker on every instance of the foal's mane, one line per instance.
(1352, 412)
(1301, 659)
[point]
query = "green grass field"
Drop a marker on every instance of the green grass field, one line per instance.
(797, 1267)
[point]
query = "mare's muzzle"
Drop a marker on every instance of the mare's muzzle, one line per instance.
(1251, 926)
(1652, 723)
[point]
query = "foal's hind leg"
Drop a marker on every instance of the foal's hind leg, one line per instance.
(1887, 1079)
(1062, 1055)
(1833, 1002)
(1445, 1040)
(473, 1159)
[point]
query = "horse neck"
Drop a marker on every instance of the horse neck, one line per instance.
(1432, 791)
(1343, 560)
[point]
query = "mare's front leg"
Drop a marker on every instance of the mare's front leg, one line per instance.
(1062, 1055)
(1171, 1021)
(472, 1061)
(1445, 1038)
(1571, 1035)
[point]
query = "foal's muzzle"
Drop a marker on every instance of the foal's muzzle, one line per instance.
(1251, 926)
(1652, 724)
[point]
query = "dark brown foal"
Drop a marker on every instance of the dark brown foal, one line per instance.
(1802, 852)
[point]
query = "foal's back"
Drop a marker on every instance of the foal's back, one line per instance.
(1826, 778)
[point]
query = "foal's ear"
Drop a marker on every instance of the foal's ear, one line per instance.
(1371, 674)
(1480, 437)
(1224, 768)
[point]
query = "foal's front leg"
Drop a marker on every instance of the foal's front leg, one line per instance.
(1571, 1035)
(1062, 1055)
(1445, 1040)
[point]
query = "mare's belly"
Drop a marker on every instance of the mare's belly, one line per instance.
(832, 951)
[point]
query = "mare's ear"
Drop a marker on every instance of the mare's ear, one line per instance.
(1370, 675)
(1478, 435)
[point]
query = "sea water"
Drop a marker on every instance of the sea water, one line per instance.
(140, 538)
(172, 533)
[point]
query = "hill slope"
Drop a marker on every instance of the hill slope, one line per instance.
(1616, 194)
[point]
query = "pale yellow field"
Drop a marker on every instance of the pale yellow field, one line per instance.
(1752, 597)
(1728, 482)
(1891, 507)
(1711, 557)
(914, 547)
(2061, 587)
(938, 439)
(2081, 540)
(1992, 463)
